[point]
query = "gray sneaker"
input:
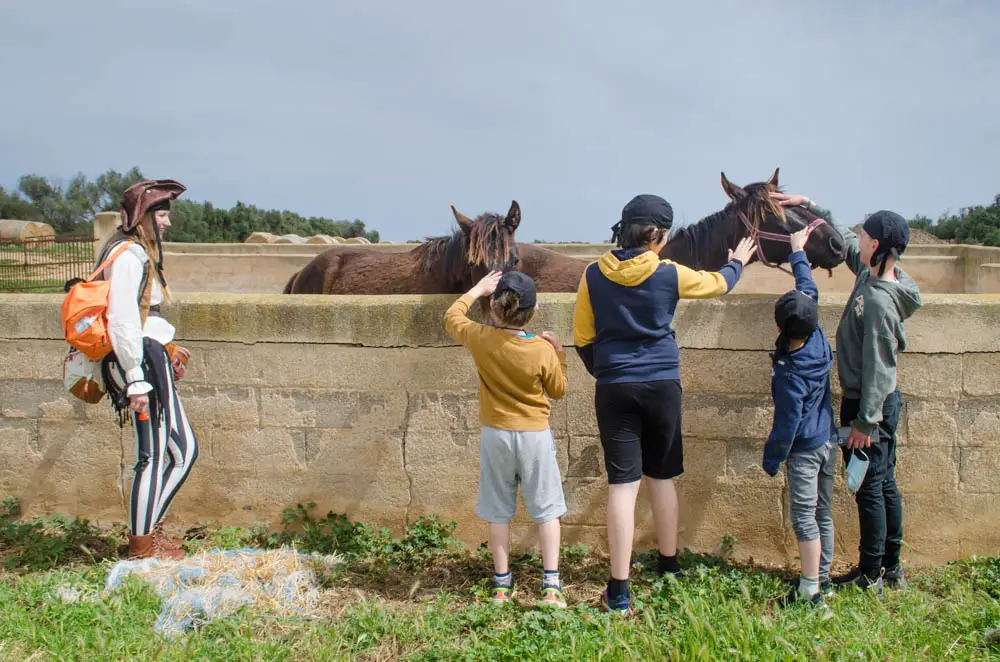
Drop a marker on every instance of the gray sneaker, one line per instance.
(894, 578)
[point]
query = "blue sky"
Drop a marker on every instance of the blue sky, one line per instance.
(389, 111)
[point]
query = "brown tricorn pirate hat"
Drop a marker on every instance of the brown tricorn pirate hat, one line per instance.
(138, 198)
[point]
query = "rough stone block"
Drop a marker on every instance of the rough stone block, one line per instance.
(981, 374)
(580, 411)
(452, 496)
(979, 423)
(722, 371)
(979, 531)
(932, 527)
(38, 399)
(927, 469)
(313, 409)
(31, 359)
(443, 411)
(930, 375)
(19, 455)
(80, 470)
(930, 423)
(706, 516)
(743, 466)
(430, 451)
(727, 417)
(980, 471)
(586, 458)
(704, 462)
(218, 405)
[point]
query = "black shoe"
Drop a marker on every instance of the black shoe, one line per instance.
(827, 589)
(860, 579)
(893, 577)
(794, 597)
(676, 574)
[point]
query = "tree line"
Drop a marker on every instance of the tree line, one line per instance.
(70, 207)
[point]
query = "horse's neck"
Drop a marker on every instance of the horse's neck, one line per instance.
(704, 245)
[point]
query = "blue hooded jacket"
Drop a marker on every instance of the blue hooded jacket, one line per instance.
(800, 387)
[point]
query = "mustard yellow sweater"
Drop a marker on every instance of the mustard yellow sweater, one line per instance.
(515, 373)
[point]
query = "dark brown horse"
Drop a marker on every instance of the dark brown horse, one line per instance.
(443, 265)
(705, 245)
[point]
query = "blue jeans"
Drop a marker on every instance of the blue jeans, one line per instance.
(880, 510)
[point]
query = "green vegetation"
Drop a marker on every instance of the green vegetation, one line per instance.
(70, 207)
(421, 597)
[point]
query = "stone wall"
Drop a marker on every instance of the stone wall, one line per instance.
(365, 406)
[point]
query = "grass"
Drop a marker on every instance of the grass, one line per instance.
(422, 598)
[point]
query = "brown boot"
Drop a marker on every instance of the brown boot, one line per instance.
(164, 543)
(166, 549)
(140, 547)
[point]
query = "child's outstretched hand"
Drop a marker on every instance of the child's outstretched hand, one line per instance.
(800, 239)
(550, 338)
(486, 285)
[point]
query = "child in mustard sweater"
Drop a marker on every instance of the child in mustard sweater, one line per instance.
(517, 370)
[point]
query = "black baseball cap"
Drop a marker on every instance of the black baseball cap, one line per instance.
(797, 314)
(892, 232)
(521, 284)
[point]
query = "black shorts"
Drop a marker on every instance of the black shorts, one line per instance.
(640, 424)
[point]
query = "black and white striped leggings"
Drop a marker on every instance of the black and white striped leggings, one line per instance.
(165, 444)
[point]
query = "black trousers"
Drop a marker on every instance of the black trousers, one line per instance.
(880, 510)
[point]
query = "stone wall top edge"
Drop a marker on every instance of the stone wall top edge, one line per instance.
(737, 322)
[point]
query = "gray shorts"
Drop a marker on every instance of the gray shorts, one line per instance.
(509, 457)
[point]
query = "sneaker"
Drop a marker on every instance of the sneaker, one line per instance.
(621, 605)
(893, 577)
(676, 574)
(500, 595)
(858, 579)
(552, 597)
(795, 597)
(827, 589)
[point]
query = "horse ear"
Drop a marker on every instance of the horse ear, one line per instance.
(774, 179)
(734, 192)
(513, 216)
(464, 221)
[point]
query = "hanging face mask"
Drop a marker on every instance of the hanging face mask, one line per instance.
(857, 467)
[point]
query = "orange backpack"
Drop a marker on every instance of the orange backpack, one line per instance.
(85, 312)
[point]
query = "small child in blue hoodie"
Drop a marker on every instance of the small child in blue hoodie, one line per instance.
(804, 435)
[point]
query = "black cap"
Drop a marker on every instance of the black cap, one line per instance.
(522, 285)
(645, 209)
(797, 314)
(891, 231)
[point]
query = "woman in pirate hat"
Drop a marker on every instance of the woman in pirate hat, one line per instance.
(140, 372)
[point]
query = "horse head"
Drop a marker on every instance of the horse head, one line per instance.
(483, 245)
(771, 224)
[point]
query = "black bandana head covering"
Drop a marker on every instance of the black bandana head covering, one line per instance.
(645, 209)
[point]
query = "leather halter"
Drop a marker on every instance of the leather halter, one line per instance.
(757, 234)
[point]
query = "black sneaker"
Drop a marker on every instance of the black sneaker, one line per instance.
(893, 577)
(858, 578)
(827, 589)
(676, 574)
(795, 597)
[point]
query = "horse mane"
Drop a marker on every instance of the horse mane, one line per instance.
(489, 242)
(431, 252)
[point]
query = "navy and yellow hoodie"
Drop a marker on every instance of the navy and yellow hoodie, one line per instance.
(623, 320)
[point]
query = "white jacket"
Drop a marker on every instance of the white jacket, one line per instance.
(124, 322)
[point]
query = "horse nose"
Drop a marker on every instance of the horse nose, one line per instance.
(837, 245)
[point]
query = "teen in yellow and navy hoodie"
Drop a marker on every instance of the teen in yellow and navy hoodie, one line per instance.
(623, 332)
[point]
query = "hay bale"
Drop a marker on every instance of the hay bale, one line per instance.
(357, 240)
(20, 230)
(260, 238)
(323, 239)
(290, 239)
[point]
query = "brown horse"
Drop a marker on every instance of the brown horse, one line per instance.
(705, 245)
(443, 265)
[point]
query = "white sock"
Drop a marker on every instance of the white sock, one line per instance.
(808, 587)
